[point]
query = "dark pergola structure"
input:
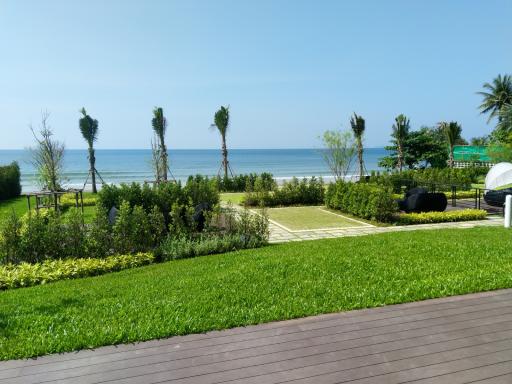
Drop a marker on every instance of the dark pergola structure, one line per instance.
(54, 199)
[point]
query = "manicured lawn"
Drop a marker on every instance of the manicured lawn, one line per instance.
(303, 218)
(233, 198)
(20, 207)
(248, 287)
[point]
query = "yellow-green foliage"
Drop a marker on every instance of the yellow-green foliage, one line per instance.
(441, 217)
(25, 274)
(68, 200)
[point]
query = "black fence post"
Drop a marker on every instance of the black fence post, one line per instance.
(454, 196)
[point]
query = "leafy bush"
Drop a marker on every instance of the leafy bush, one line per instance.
(68, 201)
(10, 185)
(368, 201)
(25, 274)
(440, 178)
(295, 192)
(441, 217)
(229, 231)
(242, 183)
(170, 198)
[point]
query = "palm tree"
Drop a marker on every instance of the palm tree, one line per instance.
(89, 128)
(159, 123)
(499, 94)
(358, 126)
(400, 133)
(452, 131)
(221, 122)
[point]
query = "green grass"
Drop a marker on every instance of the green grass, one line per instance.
(20, 207)
(233, 198)
(304, 218)
(273, 283)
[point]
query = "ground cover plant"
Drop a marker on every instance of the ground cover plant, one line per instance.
(10, 185)
(306, 218)
(248, 287)
(441, 217)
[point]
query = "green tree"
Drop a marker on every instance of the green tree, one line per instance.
(159, 123)
(358, 127)
(497, 96)
(399, 135)
(479, 141)
(452, 132)
(339, 151)
(89, 129)
(221, 123)
(503, 131)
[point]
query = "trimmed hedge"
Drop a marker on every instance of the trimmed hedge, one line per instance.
(294, 192)
(68, 201)
(10, 185)
(368, 201)
(441, 217)
(244, 182)
(25, 274)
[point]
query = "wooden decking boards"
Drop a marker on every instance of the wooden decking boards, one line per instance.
(462, 339)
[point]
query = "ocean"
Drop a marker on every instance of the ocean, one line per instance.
(128, 165)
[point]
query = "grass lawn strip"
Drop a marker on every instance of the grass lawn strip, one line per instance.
(278, 282)
(310, 218)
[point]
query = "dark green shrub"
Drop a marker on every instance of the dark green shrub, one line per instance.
(368, 201)
(10, 185)
(245, 182)
(294, 192)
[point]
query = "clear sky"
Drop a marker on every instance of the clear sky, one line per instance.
(288, 69)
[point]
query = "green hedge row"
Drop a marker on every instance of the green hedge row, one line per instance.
(25, 274)
(244, 182)
(294, 192)
(441, 217)
(368, 201)
(10, 185)
(442, 178)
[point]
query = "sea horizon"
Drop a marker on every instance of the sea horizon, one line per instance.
(118, 166)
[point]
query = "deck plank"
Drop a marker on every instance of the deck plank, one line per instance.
(452, 340)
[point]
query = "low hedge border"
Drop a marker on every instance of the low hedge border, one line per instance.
(68, 201)
(26, 275)
(441, 217)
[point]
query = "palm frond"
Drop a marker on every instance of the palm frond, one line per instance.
(88, 127)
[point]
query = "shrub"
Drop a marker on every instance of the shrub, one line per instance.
(295, 192)
(229, 231)
(25, 274)
(68, 201)
(441, 217)
(368, 201)
(242, 183)
(440, 178)
(10, 185)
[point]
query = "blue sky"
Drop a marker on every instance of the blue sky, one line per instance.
(288, 69)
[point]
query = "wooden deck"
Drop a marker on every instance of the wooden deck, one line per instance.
(464, 339)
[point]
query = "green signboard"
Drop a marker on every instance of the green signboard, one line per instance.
(477, 153)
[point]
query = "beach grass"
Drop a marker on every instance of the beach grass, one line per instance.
(309, 218)
(253, 286)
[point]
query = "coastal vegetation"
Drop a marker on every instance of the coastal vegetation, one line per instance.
(278, 282)
(10, 186)
(338, 153)
(160, 156)
(221, 123)
(358, 126)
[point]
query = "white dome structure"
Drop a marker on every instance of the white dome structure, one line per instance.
(498, 176)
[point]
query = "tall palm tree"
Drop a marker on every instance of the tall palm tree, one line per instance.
(452, 131)
(89, 128)
(358, 126)
(159, 123)
(221, 122)
(499, 94)
(400, 133)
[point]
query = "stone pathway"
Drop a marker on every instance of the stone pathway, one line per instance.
(280, 235)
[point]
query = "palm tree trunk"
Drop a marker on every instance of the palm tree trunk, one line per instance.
(360, 156)
(92, 169)
(224, 157)
(164, 158)
(451, 161)
(400, 157)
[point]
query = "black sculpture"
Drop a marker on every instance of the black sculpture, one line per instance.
(420, 200)
(199, 216)
(497, 198)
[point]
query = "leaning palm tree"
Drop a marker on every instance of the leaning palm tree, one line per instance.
(358, 126)
(89, 128)
(400, 134)
(159, 123)
(452, 131)
(497, 95)
(221, 122)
